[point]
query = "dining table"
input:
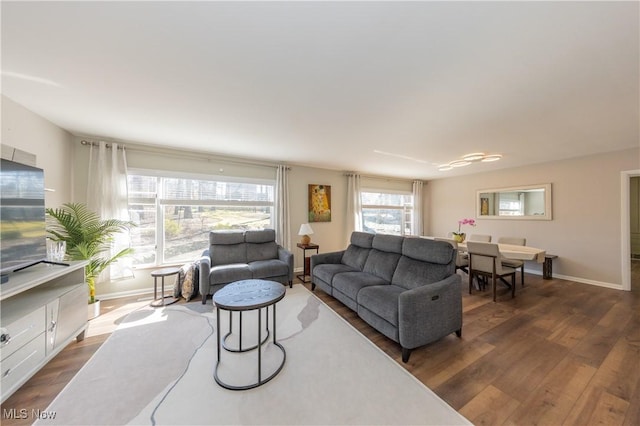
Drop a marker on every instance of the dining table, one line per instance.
(516, 252)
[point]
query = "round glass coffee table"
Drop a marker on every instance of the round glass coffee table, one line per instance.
(241, 296)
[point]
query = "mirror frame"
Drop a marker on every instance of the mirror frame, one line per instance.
(547, 202)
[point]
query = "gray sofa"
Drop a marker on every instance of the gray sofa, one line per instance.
(404, 287)
(242, 255)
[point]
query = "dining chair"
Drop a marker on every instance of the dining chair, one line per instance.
(514, 263)
(485, 260)
(479, 237)
(462, 259)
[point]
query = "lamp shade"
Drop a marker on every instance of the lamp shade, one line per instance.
(305, 231)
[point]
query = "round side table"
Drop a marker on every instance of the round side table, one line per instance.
(248, 295)
(162, 273)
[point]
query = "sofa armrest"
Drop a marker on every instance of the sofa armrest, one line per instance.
(429, 312)
(332, 257)
(319, 259)
(287, 257)
(204, 266)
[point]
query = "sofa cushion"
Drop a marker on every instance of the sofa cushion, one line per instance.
(229, 273)
(227, 247)
(268, 268)
(224, 254)
(388, 243)
(381, 300)
(381, 264)
(355, 257)
(356, 254)
(226, 237)
(326, 271)
(262, 251)
(362, 239)
(427, 250)
(350, 283)
(411, 273)
(260, 236)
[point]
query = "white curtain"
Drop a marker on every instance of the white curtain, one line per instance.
(417, 207)
(283, 234)
(107, 195)
(354, 205)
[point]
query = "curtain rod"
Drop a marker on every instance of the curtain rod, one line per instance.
(108, 145)
(189, 156)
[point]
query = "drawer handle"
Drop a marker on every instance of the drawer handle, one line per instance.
(10, 370)
(53, 326)
(5, 338)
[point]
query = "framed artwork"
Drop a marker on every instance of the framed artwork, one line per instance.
(484, 206)
(319, 203)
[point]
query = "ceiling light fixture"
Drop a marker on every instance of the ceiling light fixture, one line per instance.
(459, 163)
(490, 158)
(465, 160)
(474, 157)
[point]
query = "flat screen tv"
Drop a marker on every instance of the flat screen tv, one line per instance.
(23, 239)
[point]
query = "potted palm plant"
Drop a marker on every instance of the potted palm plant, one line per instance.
(87, 237)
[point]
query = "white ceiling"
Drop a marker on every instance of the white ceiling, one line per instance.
(384, 88)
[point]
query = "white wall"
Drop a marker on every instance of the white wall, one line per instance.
(27, 131)
(585, 230)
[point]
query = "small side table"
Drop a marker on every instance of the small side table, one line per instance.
(307, 260)
(161, 273)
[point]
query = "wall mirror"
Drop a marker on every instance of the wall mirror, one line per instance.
(531, 202)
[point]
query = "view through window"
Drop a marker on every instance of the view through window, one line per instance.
(174, 215)
(387, 212)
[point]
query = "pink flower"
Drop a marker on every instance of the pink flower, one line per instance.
(470, 222)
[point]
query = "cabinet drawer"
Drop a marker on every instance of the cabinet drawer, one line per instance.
(21, 331)
(20, 365)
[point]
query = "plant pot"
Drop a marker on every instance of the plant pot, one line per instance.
(459, 237)
(93, 309)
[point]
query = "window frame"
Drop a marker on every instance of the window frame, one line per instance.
(406, 211)
(160, 201)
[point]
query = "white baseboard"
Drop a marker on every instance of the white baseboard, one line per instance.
(578, 279)
(138, 292)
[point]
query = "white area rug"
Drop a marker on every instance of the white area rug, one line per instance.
(157, 368)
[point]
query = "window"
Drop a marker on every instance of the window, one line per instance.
(387, 212)
(174, 215)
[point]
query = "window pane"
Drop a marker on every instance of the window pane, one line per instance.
(385, 199)
(190, 189)
(143, 236)
(142, 186)
(383, 221)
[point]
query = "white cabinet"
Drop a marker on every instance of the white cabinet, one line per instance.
(42, 309)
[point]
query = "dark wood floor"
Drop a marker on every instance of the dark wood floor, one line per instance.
(559, 353)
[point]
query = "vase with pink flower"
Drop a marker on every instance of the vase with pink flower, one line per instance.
(460, 236)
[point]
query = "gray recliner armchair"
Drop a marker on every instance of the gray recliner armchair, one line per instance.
(243, 255)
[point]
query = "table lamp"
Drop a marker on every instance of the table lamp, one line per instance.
(305, 231)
